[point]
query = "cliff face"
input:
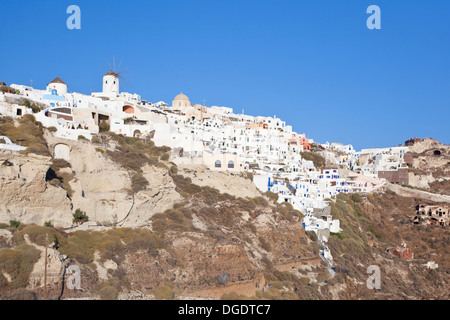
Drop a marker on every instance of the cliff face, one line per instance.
(378, 230)
(430, 166)
(94, 183)
(157, 231)
(24, 193)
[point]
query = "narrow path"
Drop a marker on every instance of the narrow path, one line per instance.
(408, 192)
(322, 255)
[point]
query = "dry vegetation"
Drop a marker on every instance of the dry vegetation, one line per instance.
(133, 153)
(28, 133)
(17, 263)
(317, 159)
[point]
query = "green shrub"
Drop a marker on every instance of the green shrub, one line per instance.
(127, 120)
(79, 216)
(337, 234)
(52, 129)
(14, 223)
(82, 138)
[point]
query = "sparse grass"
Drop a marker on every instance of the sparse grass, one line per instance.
(260, 201)
(317, 159)
(133, 153)
(29, 133)
(108, 292)
(272, 196)
(265, 244)
(233, 296)
(337, 234)
(185, 186)
(138, 183)
(179, 219)
(164, 292)
(58, 164)
(165, 157)
(96, 139)
(18, 264)
(81, 245)
(356, 197)
(288, 211)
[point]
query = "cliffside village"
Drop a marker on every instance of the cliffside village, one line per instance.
(217, 139)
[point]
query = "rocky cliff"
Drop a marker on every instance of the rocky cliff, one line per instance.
(157, 231)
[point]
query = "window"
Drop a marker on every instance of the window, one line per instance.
(218, 164)
(230, 164)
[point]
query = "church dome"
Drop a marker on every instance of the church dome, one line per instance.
(181, 100)
(181, 97)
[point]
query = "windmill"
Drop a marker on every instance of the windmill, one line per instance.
(111, 80)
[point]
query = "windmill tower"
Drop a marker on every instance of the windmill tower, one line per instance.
(111, 79)
(111, 83)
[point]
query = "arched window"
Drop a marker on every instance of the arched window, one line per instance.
(218, 164)
(230, 164)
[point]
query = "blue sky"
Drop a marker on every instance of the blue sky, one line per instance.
(313, 63)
